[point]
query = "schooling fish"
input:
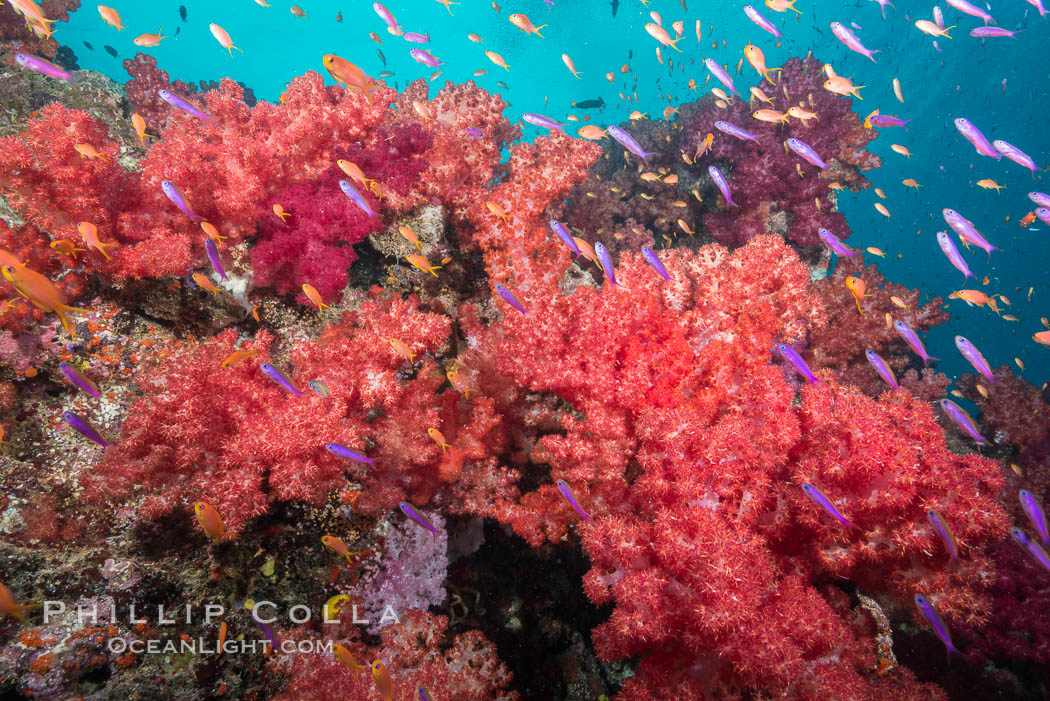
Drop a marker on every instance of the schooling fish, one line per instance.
(178, 103)
(79, 380)
(806, 151)
(350, 191)
(650, 257)
(628, 142)
(563, 487)
(1033, 548)
(961, 418)
(347, 454)
(509, 297)
(851, 40)
(991, 32)
(791, 356)
(175, 195)
(759, 20)
(1016, 155)
(605, 260)
(182, 12)
(410, 511)
(425, 57)
(914, 342)
(562, 233)
(110, 50)
(722, 183)
(824, 503)
(884, 370)
(970, 352)
(84, 428)
(278, 377)
(972, 10)
(967, 232)
(938, 626)
(538, 120)
(598, 103)
(720, 74)
(975, 137)
(734, 130)
(88, 46)
(835, 243)
(952, 252)
(942, 529)
(1034, 511)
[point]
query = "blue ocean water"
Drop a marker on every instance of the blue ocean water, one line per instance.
(999, 84)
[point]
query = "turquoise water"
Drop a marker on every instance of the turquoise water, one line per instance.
(999, 84)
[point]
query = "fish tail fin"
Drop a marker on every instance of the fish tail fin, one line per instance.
(538, 31)
(674, 44)
(855, 92)
(872, 55)
(65, 320)
(946, 29)
(433, 268)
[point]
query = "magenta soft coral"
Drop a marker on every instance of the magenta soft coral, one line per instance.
(417, 652)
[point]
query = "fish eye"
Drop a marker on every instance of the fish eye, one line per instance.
(920, 598)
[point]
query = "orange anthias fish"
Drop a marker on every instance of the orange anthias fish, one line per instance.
(384, 684)
(842, 86)
(460, 384)
(314, 296)
(771, 116)
(446, 3)
(758, 94)
(355, 173)
(140, 127)
(567, 60)
(10, 606)
(298, 12)
(437, 437)
(209, 520)
(337, 545)
(421, 109)
(347, 659)
(422, 263)
(66, 247)
(523, 23)
(1027, 219)
(281, 213)
(89, 232)
(411, 237)
(39, 290)
(498, 211)
(703, 146)
(204, 283)
(881, 208)
(223, 37)
(237, 357)
(212, 232)
(402, 349)
(971, 297)
(782, 5)
(88, 151)
(757, 59)
(801, 114)
(149, 40)
(348, 75)
(497, 59)
(989, 184)
(111, 17)
(591, 132)
(857, 287)
(910, 182)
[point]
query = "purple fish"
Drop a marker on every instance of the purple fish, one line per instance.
(1037, 4)
(416, 38)
(722, 183)
(734, 130)
(941, 526)
(42, 66)
(79, 380)
(278, 377)
(884, 370)
(213, 256)
(823, 502)
(175, 195)
(914, 342)
(417, 516)
(1034, 511)
(384, 14)
(538, 120)
(938, 16)
(1033, 548)
(628, 142)
(650, 258)
(1044, 215)
(971, 9)
(975, 137)
(988, 32)
(720, 73)
(806, 151)
(967, 232)
(476, 133)
(567, 493)
(350, 191)
(851, 40)
(970, 352)
(934, 619)
(763, 23)
(789, 354)
(559, 229)
(887, 120)
(605, 260)
(950, 250)
(343, 452)
(1040, 198)
(266, 631)
(1015, 154)
(509, 298)
(961, 418)
(81, 426)
(423, 56)
(835, 244)
(178, 103)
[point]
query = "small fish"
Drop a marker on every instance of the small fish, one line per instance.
(934, 619)
(415, 38)
(213, 257)
(952, 252)
(278, 377)
(857, 287)
(760, 21)
(878, 252)
(89, 232)
(79, 380)
(422, 263)
(460, 384)
(734, 130)
(881, 209)
(523, 23)
(110, 50)
(927, 27)
(720, 74)
(902, 150)
(210, 520)
(425, 57)
(88, 151)
(314, 296)
(149, 40)
(991, 32)
(402, 349)
(355, 196)
(180, 104)
(791, 356)
(84, 428)
(824, 503)
(336, 545)
(899, 303)
(835, 244)
(112, 17)
(851, 41)
(175, 195)
(976, 138)
(651, 258)
(212, 233)
(182, 12)
(907, 333)
(569, 497)
(970, 352)
(497, 59)
(880, 366)
(563, 234)
(42, 66)
(628, 142)
(806, 151)
(236, 357)
(538, 120)
(722, 183)
(10, 606)
(942, 529)
(510, 298)
(1034, 511)
(910, 182)
(410, 511)
(660, 34)
(348, 454)
(319, 388)
(1015, 154)
(605, 261)
(961, 418)
(344, 656)
(1033, 548)
(66, 247)
(223, 37)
